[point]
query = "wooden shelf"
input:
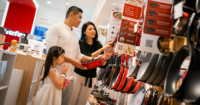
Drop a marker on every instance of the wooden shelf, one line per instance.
(3, 87)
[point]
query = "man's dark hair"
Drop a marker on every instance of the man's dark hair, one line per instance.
(73, 9)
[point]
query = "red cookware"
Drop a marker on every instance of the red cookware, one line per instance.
(93, 63)
(123, 80)
(135, 86)
(114, 83)
(128, 84)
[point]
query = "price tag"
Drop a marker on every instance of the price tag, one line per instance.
(178, 10)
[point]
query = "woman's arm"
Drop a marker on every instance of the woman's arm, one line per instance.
(54, 78)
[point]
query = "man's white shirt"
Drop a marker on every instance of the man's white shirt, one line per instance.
(61, 35)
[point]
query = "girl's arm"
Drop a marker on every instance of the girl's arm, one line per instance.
(54, 78)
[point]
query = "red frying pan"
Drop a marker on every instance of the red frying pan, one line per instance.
(114, 83)
(128, 84)
(93, 63)
(135, 86)
(123, 80)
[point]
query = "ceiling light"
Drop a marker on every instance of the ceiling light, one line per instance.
(48, 2)
(67, 3)
(20, 2)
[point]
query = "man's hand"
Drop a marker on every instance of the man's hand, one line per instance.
(78, 64)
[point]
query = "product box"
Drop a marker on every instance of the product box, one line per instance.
(3, 65)
(157, 27)
(128, 29)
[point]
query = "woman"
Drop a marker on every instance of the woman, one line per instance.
(84, 80)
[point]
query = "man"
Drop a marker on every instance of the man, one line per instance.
(63, 35)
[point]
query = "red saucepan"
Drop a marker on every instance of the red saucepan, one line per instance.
(123, 80)
(114, 83)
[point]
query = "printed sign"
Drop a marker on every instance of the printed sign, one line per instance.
(157, 27)
(130, 18)
(115, 22)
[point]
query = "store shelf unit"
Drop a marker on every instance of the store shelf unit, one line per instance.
(31, 67)
(13, 89)
(10, 58)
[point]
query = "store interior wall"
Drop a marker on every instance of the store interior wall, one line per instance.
(19, 18)
(2, 9)
(50, 14)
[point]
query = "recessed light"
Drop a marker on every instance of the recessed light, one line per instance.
(48, 2)
(67, 3)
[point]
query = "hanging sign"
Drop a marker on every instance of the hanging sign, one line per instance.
(128, 29)
(157, 27)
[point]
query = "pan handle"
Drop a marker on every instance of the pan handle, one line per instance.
(190, 28)
(127, 58)
(197, 44)
(122, 58)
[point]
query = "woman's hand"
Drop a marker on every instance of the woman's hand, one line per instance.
(107, 56)
(65, 69)
(108, 45)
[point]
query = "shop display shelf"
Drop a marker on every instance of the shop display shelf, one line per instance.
(3, 87)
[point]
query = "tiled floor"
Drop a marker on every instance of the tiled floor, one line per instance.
(34, 100)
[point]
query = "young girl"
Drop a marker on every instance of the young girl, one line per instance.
(50, 93)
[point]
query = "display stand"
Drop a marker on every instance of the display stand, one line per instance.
(10, 58)
(14, 86)
(31, 66)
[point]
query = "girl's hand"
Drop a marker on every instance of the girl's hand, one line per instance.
(65, 69)
(108, 45)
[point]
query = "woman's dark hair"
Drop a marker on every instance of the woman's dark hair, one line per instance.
(96, 43)
(54, 51)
